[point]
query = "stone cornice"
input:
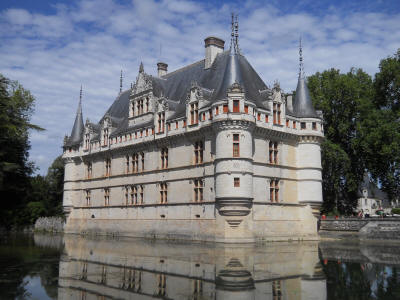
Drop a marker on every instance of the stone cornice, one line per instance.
(228, 124)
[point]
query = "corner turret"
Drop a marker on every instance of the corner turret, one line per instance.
(76, 136)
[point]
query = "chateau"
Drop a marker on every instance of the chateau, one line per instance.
(207, 152)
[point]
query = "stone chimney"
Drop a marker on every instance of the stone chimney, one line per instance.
(213, 46)
(162, 69)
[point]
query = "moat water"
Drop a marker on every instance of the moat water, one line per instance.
(72, 267)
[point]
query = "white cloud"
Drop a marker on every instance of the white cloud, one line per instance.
(90, 41)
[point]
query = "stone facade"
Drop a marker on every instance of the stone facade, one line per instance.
(207, 152)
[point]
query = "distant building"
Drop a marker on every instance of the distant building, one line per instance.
(371, 198)
(206, 152)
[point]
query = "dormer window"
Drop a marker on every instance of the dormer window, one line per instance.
(147, 104)
(277, 113)
(194, 113)
(105, 136)
(87, 141)
(236, 107)
(161, 120)
(139, 106)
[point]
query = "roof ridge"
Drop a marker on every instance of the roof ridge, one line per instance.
(183, 68)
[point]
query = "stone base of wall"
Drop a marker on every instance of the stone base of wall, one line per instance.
(265, 223)
(369, 229)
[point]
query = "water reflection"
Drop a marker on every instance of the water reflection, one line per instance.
(129, 269)
(74, 267)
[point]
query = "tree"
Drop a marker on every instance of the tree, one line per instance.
(16, 108)
(345, 100)
(55, 180)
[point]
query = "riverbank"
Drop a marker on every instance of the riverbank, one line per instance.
(363, 229)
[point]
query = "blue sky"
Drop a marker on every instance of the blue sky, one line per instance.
(52, 47)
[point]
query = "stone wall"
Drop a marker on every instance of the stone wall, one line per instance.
(376, 229)
(49, 224)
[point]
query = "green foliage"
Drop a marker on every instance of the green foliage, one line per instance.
(396, 211)
(345, 100)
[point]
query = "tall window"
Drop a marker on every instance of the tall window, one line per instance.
(266, 118)
(314, 125)
(108, 166)
(303, 125)
(216, 110)
(277, 113)
(105, 136)
(246, 109)
(294, 124)
(127, 164)
(106, 197)
(139, 106)
(163, 193)
(198, 152)
(194, 113)
(142, 157)
(236, 182)
(164, 158)
(87, 141)
(126, 195)
(89, 170)
(88, 194)
(161, 121)
(141, 194)
(210, 115)
(135, 163)
(198, 190)
(274, 190)
(236, 107)
(147, 104)
(236, 151)
(225, 108)
(134, 195)
(133, 109)
(273, 152)
(276, 290)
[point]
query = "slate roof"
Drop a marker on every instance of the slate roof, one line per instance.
(302, 106)
(76, 136)
(373, 190)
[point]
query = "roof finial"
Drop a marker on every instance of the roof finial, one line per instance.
(120, 83)
(301, 66)
(80, 96)
(141, 68)
(234, 47)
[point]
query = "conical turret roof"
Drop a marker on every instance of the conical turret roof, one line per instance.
(77, 130)
(303, 107)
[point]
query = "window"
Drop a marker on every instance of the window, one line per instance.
(273, 153)
(105, 136)
(194, 113)
(198, 153)
(133, 109)
(106, 197)
(274, 190)
(216, 110)
(89, 170)
(139, 106)
(127, 164)
(210, 116)
(236, 151)
(266, 118)
(287, 123)
(314, 125)
(88, 197)
(142, 156)
(198, 190)
(135, 163)
(225, 108)
(87, 141)
(133, 195)
(176, 125)
(294, 124)
(169, 127)
(147, 104)
(236, 182)
(163, 193)
(164, 158)
(108, 167)
(258, 117)
(161, 120)
(276, 290)
(277, 113)
(184, 123)
(162, 283)
(141, 194)
(204, 116)
(246, 109)
(126, 195)
(303, 125)
(236, 107)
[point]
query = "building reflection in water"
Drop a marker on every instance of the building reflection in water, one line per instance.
(139, 269)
